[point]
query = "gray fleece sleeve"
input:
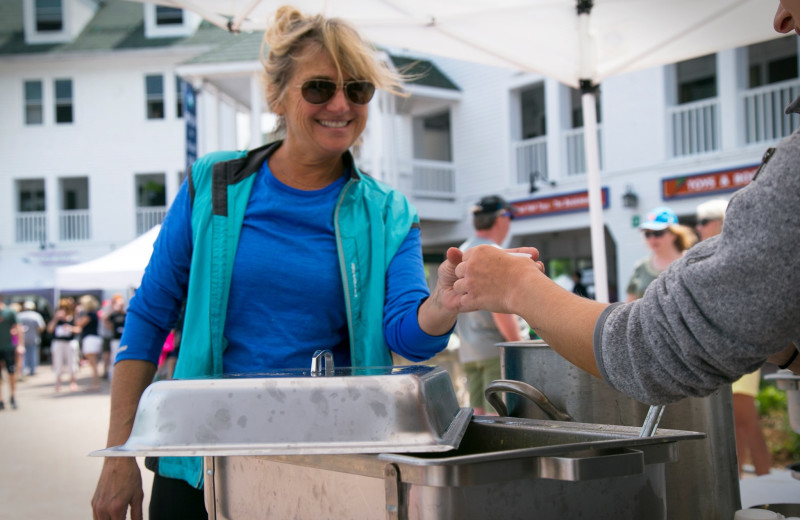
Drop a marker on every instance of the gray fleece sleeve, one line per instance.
(722, 309)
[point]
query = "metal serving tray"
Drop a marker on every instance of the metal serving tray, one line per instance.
(505, 468)
(297, 412)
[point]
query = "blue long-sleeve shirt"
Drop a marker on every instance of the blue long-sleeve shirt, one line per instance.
(286, 296)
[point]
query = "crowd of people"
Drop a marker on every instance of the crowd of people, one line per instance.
(79, 332)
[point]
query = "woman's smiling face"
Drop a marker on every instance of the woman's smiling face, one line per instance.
(326, 129)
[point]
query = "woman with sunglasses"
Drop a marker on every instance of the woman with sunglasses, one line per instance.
(326, 257)
(667, 240)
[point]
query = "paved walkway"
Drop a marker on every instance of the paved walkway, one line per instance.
(45, 470)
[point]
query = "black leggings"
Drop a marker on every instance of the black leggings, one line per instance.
(176, 499)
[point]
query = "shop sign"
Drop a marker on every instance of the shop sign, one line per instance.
(706, 183)
(564, 203)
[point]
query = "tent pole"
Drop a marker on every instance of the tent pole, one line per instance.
(595, 196)
(592, 150)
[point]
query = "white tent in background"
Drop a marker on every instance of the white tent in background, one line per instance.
(120, 269)
(24, 273)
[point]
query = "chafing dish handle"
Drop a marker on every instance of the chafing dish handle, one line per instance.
(525, 390)
(322, 357)
(621, 462)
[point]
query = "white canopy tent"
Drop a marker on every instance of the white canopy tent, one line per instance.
(578, 42)
(19, 274)
(120, 269)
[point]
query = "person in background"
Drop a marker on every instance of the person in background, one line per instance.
(105, 334)
(710, 216)
(8, 331)
(717, 313)
(750, 439)
(18, 342)
(579, 288)
(315, 237)
(62, 327)
(115, 322)
(667, 241)
(32, 325)
(91, 342)
(479, 331)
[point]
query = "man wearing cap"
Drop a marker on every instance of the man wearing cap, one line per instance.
(710, 215)
(479, 331)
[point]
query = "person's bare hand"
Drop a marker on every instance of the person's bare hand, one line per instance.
(119, 487)
(488, 277)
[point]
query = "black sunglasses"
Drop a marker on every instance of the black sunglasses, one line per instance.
(320, 91)
(704, 222)
(650, 233)
(509, 214)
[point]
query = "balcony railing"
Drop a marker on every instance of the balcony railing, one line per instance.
(148, 217)
(30, 226)
(531, 157)
(431, 179)
(695, 128)
(576, 150)
(763, 111)
(74, 225)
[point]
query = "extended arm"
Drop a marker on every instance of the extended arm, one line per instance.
(495, 281)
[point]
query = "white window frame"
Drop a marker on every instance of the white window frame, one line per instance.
(29, 102)
(59, 101)
(34, 36)
(148, 97)
(153, 30)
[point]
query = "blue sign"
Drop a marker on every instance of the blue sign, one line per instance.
(190, 117)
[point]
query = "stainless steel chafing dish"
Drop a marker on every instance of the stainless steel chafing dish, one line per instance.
(504, 468)
(321, 410)
(392, 442)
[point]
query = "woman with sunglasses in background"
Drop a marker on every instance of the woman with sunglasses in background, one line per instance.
(313, 255)
(667, 240)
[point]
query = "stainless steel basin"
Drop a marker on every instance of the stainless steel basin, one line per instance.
(504, 468)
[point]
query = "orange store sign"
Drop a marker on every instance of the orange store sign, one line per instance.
(704, 183)
(578, 201)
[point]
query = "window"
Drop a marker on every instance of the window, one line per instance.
(534, 123)
(772, 62)
(63, 88)
(49, 16)
(30, 222)
(150, 190)
(154, 88)
(432, 137)
(31, 195)
(168, 22)
(151, 201)
(178, 97)
(697, 79)
(576, 107)
(168, 16)
(33, 103)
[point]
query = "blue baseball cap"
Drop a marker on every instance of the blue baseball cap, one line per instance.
(659, 218)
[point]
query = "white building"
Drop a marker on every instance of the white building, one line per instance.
(93, 137)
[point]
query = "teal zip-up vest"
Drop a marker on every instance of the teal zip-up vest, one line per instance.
(371, 221)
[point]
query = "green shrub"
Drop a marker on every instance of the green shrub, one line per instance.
(769, 399)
